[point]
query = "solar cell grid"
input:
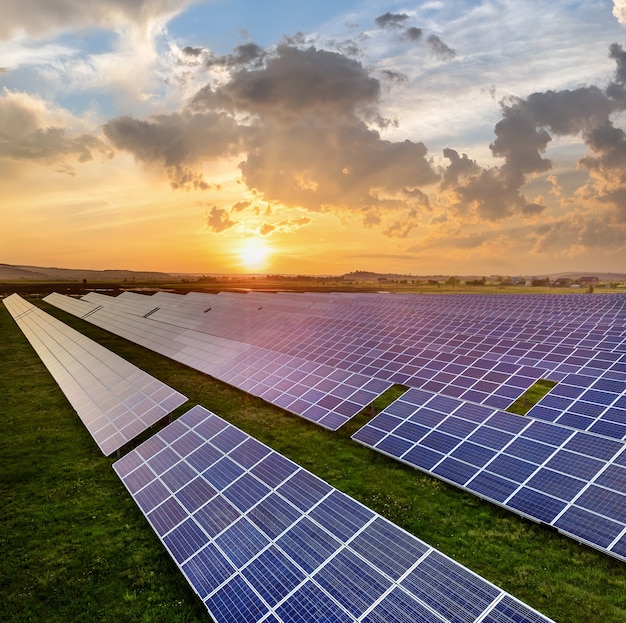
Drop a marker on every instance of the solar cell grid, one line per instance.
(535, 468)
(302, 550)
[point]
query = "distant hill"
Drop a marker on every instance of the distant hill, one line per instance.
(362, 275)
(9, 272)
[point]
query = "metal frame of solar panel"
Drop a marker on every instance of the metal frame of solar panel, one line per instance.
(259, 538)
(455, 350)
(572, 480)
(115, 400)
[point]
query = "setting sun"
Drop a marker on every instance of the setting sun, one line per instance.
(254, 254)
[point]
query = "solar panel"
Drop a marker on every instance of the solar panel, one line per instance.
(114, 399)
(319, 393)
(569, 479)
(469, 346)
(261, 539)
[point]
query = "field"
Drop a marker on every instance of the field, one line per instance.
(76, 548)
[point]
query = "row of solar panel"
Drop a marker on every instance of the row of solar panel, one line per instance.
(323, 395)
(572, 480)
(453, 330)
(115, 400)
(261, 539)
(491, 381)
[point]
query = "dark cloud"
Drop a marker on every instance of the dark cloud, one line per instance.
(309, 146)
(617, 53)
(191, 51)
(440, 49)
(218, 220)
(520, 143)
(302, 121)
(391, 20)
(245, 54)
(394, 76)
(413, 34)
(178, 141)
(460, 167)
(26, 135)
(192, 57)
(48, 145)
(296, 81)
(522, 137)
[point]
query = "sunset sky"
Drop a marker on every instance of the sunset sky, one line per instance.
(219, 136)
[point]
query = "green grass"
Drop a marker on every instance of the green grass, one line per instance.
(531, 397)
(76, 548)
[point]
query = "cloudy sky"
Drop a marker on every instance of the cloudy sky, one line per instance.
(217, 136)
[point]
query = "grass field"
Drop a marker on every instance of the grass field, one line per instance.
(76, 548)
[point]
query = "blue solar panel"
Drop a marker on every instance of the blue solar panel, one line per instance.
(465, 346)
(276, 544)
(543, 471)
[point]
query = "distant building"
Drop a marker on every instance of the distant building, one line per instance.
(587, 281)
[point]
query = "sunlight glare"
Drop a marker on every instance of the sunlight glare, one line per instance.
(254, 254)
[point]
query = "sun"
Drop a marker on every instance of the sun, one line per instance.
(254, 254)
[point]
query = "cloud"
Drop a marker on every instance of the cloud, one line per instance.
(179, 142)
(32, 130)
(218, 220)
(296, 81)
(240, 206)
(619, 11)
(42, 17)
(576, 233)
(394, 76)
(245, 54)
(413, 34)
(303, 122)
(191, 51)
(440, 49)
(310, 145)
(402, 227)
(391, 20)
(522, 138)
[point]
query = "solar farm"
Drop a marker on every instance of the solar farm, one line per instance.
(258, 536)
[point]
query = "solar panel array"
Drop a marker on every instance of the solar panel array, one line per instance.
(483, 349)
(261, 539)
(320, 393)
(462, 352)
(114, 399)
(574, 481)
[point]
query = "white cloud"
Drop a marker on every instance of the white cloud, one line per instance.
(35, 18)
(619, 10)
